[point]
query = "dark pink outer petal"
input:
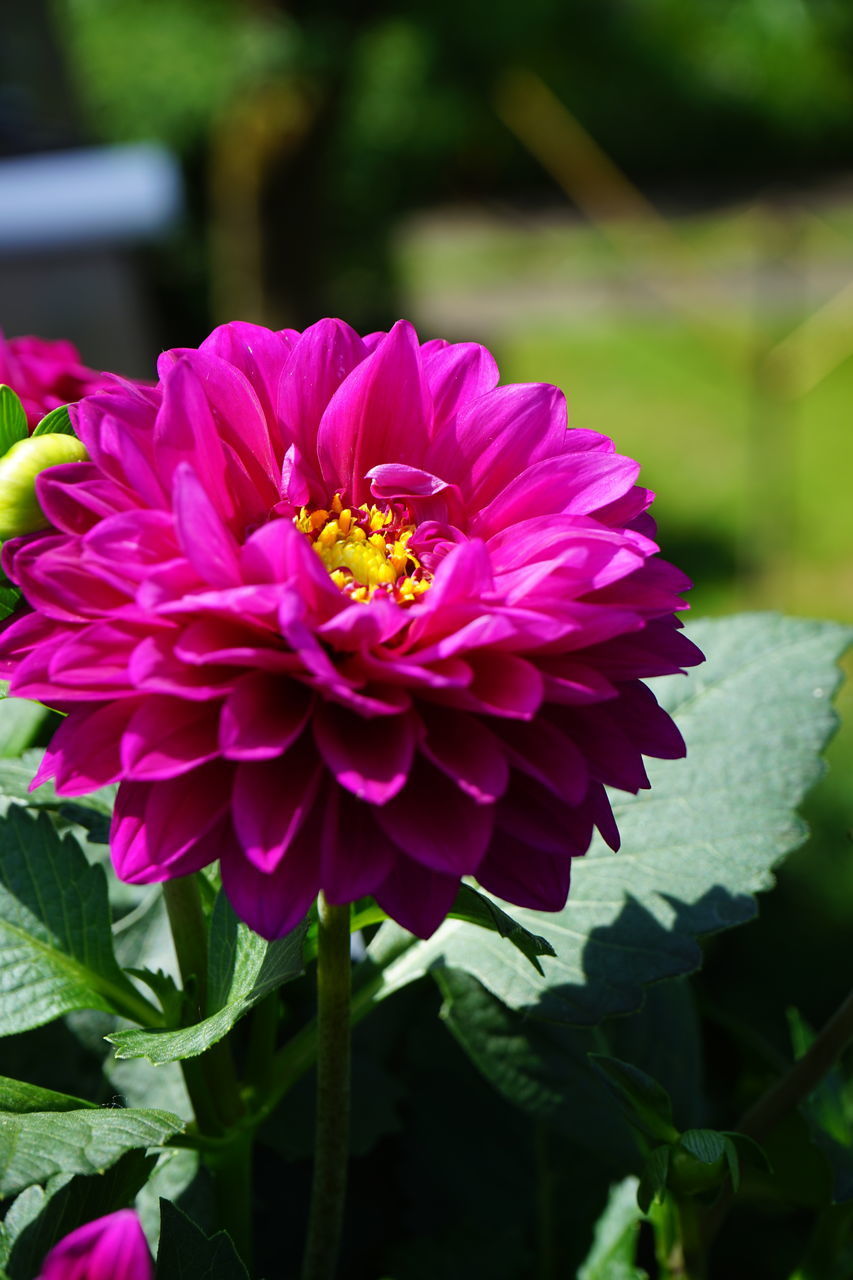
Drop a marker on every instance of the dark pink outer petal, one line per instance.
(272, 903)
(110, 1248)
(437, 824)
(370, 758)
(272, 800)
(415, 897)
(85, 751)
(524, 875)
(170, 828)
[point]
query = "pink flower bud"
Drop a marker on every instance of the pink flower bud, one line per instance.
(110, 1248)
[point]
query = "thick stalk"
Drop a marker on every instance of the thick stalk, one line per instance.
(331, 1147)
(792, 1088)
(210, 1078)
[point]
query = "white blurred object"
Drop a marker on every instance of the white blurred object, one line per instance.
(92, 196)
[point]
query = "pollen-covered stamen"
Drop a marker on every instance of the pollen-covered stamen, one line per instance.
(366, 549)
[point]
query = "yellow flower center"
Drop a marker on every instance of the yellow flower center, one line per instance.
(366, 549)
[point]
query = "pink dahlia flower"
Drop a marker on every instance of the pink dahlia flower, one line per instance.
(347, 615)
(45, 374)
(111, 1248)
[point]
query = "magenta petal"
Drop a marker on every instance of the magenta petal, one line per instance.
(467, 751)
(84, 753)
(109, 1248)
(506, 685)
(525, 876)
(167, 737)
(436, 824)
(259, 355)
(272, 799)
(320, 360)
(371, 758)
(378, 414)
(74, 496)
(417, 898)
(169, 828)
(573, 484)
(186, 431)
(356, 855)
(457, 373)
(262, 717)
(499, 435)
(208, 545)
(275, 902)
(540, 749)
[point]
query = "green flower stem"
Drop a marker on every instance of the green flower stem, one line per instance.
(792, 1088)
(331, 1148)
(210, 1078)
(189, 932)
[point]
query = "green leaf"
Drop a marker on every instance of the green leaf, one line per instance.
(10, 598)
(475, 908)
(20, 722)
(186, 1253)
(40, 1144)
(653, 1178)
(244, 969)
(615, 1242)
(541, 1067)
(829, 1114)
(39, 1217)
(13, 419)
(695, 848)
(57, 423)
(645, 1103)
(19, 1097)
(544, 1067)
(56, 951)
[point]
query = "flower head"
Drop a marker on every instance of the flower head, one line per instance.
(45, 374)
(110, 1248)
(347, 615)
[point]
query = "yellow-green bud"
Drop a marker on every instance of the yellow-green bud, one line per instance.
(19, 508)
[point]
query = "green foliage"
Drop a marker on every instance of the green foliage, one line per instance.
(828, 1112)
(20, 720)
(18, 1097)
(476, 908)
(57, 422)
(645, 1103)
(13, 419)
(694, 849)
(37, 1145)
(186, 1253)
(56, 950)
(614, 1246)
(243, 969)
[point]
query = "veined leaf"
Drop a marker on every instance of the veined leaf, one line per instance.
(56, 423)
(40, 1144)
(244, 969)
(187, 1253)
(695, 848)
(13, 419)
(19, 1097)
(56, 951)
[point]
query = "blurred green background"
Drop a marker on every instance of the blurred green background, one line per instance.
(647, 202)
